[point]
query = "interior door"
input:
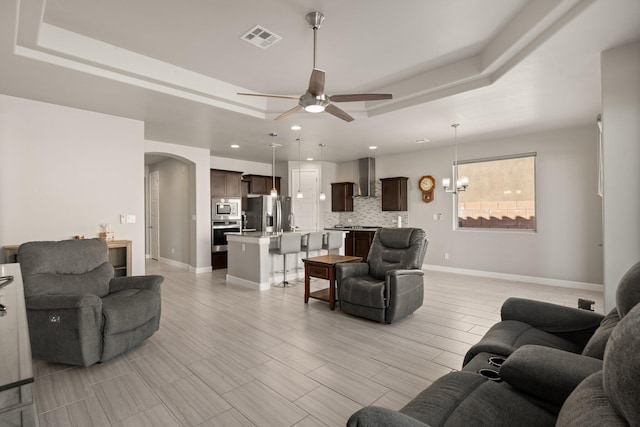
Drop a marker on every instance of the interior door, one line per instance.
(305, 209)
(154, 214)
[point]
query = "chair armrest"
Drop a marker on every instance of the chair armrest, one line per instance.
(374, 416)
(552, 318)
(351, 269)
(398, 273)
(547, 373)
(149, 282)
(62, 302)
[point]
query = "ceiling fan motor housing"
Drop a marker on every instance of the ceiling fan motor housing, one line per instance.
(315, 19)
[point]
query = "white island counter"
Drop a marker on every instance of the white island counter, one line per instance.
(250, 264)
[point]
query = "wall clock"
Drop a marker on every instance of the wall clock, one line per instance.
(427, 184)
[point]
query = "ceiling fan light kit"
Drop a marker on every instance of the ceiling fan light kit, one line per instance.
(314, 100)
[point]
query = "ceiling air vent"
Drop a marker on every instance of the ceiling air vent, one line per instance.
(261, 37)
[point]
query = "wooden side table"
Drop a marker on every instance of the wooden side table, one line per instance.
(324, 267)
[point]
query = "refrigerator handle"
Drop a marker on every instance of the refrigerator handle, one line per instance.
(278, 215)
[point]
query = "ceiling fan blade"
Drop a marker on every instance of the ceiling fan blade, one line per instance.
(360, 97)
(270, 95)
(316, 82)
(341, 114)
(286, 114)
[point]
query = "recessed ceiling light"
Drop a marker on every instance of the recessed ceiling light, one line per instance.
(309, 159)
(422, 140)
(373, 147)
(296, 127)
(235, 146)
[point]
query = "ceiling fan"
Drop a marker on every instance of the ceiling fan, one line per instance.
(314, 100)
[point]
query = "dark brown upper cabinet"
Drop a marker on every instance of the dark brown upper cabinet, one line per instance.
(225, 183)
(261, 184)
(342, 197)
(394, 193)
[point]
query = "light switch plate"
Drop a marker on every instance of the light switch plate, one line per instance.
(123, 219)
(131, 219)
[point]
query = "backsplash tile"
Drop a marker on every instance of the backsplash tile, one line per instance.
(367, 211)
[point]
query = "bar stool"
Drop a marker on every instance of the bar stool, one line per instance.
(332, 240)
(288, 243)
(314, 242)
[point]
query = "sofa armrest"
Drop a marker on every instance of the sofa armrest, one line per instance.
(62, 302)
(374, 416)
(547, 373)
(149, 282)
(351, 269)
(552, 318)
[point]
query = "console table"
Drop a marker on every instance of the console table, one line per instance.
(324, 267)
(16, 372)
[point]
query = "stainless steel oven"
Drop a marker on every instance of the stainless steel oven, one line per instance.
(219, 230)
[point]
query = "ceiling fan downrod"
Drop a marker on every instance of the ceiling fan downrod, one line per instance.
(315, 21)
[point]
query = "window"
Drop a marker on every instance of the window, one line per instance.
(501, 193)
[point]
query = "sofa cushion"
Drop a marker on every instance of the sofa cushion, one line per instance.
(598, 341)
(126, 310)
(622, 367)
(588, 406)
(465, 398)
(628, 291)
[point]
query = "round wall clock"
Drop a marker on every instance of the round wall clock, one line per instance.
(427, 184)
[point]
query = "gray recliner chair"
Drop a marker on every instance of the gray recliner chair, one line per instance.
(78, 313)
(390, 285)
(551, 325)
(607, 397)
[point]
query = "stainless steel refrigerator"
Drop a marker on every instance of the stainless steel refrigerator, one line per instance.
(269, 214)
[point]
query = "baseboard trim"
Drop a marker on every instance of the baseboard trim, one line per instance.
(183, 266)
(175, 263)
(233, 280)
(595, 287)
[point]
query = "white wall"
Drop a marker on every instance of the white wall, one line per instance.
(64, 171)
(621, 143)
(200, 198)
(566, 245)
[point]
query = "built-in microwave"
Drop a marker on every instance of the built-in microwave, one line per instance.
(225, 209)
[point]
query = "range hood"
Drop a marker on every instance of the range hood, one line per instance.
(366, 182)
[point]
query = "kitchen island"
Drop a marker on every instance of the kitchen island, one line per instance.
(251, 264)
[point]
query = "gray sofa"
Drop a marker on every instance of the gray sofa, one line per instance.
(78, 313)
(550, 325)
(390, 285)
(607, 397)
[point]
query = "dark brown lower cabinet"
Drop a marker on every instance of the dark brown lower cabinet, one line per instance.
(218, 260)
(358, 243)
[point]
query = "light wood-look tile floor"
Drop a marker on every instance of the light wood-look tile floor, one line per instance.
(229, 356)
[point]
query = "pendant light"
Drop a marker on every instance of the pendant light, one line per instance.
(322, 195)
(274, 191)
(299, 195)
(462, 183)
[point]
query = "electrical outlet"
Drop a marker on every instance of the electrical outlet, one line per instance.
(446, 255)
(131, 219)
(173, 251)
